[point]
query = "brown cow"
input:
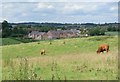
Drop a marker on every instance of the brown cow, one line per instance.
(42, 52)
(102, 48)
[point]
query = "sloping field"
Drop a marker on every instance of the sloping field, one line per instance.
(76, 59)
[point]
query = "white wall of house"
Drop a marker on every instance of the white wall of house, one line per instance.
(49, 37)
(38, 37)
(29, 35)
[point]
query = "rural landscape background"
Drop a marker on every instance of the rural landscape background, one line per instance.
(70, 34)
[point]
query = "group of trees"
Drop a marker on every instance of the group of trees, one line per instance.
(93, 31)
(22, 29)
(113, 28)
(8, 30)
(96, 31)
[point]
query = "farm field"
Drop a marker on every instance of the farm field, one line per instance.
(74, 60)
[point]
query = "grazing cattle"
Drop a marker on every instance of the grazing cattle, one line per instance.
(38, 42)
(102, 48)
(42, 52)
(64, 42)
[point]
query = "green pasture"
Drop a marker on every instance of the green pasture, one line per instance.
(74, 60)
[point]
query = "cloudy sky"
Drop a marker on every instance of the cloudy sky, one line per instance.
(60, 12)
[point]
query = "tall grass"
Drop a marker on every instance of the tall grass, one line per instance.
(19, 70)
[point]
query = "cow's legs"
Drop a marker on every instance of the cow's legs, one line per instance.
(41, 53)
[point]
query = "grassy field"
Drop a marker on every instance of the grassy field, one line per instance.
(13, 40)
(74, 60)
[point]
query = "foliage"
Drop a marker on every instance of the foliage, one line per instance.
(113, 28)
(6, 29)
(96, 31)
(19, 32)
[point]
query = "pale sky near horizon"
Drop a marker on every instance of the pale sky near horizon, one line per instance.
(60, 12)
(60, 0)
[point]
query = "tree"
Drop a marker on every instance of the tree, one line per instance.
(102, 31)
(96, 31)
(6, 29)
(18, 32)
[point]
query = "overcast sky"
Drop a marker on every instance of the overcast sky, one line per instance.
(59, 0)
(60, 12)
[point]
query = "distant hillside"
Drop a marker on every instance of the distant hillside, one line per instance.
(77, 25)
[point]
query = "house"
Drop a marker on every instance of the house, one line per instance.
(69, 33)
(72, 33)
(44, 36)
(76, 32)
(57, 34)
(63, 34)
(54, 34)
(36, 35)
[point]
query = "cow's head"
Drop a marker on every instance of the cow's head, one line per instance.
(98, 52)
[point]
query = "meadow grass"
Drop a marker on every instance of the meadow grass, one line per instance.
(14, 40)
(9, 41)
(74, 60)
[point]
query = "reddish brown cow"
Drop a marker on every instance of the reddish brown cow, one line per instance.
(102, 48)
